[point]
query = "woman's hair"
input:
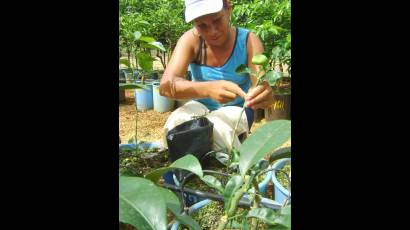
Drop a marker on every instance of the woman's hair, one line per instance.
(227, 4)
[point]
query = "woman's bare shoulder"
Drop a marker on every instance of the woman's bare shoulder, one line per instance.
(190, 37)
(188, 43)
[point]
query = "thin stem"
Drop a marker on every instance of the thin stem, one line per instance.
(239, 215)
(255, 204)
(222, 223)
(243, 109)
(234, 202)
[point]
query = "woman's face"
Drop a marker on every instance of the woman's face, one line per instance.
(214, 27)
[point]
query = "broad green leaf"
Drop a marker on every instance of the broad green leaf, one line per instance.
(173, 204)
(145, 61)
(141, 204)
(261, 165)
(272, 76)
(147, 39)
(278, 227)
(125, 62)
(245, 225)
(284, 216)
(211, 181)
(267, 215)
(137, 35)
(146, 45)
(231, 187)
(236, 225)
(243, 69)
(133, 86)
(188, 162)
(143, 22)
(171, 200)
(259, 59)
(280, 218)
(280, 153)
(222, 158)
(158, 45)
(153, 45)
(235, 155)
(262, 142)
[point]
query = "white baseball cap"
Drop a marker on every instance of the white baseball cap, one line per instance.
(198, 8)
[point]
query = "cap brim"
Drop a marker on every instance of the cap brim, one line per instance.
(200, 8)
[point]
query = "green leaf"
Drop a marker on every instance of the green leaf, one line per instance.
(278, 227)
(141, 204)
(272, 76)
(280, 218)
(267, 215)
(245, 225)
(231, 187)
(147, 39)
(145, 61)
(243, 69)
(137, 35)
(259, 59)
(261, 165)
(236, 225)
(173, 204)
(188, 162)
(284, 216)
(125, 62)
(280, 153)
(262, 142)
(147, 45)
(133, 86)
(235, 155)
(274, 30)
(171, 200)
(158, 45)
(153, 45)
(143, 22)
(211, 181)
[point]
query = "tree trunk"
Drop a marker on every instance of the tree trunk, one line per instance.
(161, 58)
(129, 54)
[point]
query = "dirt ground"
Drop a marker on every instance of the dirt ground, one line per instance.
(150, 122)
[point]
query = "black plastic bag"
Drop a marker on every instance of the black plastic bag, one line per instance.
(194, 137)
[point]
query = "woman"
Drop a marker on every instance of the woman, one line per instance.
(212, 50)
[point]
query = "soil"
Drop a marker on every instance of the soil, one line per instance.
(140, 163)
(281, 176)
(150, 122)
(208, 217)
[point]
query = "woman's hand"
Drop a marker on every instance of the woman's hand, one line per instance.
(259, 97)
(224, 91)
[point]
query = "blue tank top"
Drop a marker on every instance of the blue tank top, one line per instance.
(201, 72)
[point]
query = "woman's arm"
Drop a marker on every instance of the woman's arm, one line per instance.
(174, 85)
